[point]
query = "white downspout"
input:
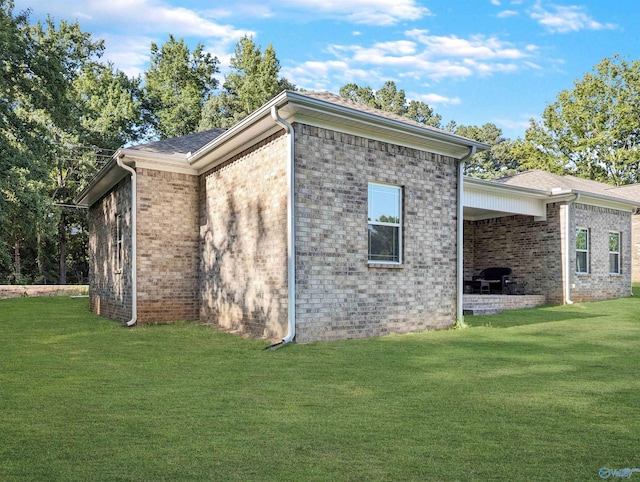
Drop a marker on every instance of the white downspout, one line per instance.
(134, 236)
(460, 240)
(567, 250)
(291, 249)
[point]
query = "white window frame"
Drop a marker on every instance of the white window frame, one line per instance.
(615, 253)
(119, 244)
(378, 223)
(586, 250)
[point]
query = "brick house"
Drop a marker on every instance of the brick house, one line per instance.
(318, 218)
(211, 227)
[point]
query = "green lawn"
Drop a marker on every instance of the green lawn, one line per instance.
(544, 394)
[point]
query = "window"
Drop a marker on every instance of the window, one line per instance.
(385, 223)
(119, 247)
(582, 250)
(614, 253)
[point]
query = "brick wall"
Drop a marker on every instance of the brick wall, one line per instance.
(598, 283)
(339, 295)
(635, 249)
(243, 236)
(110, 290)
(532, 249)
(168, 244)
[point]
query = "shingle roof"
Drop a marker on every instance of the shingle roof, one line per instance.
(631, 192)
(546, 181)
(179, 145)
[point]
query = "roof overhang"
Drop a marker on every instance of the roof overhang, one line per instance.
(488, 199)
(293, 107)
(296, 107)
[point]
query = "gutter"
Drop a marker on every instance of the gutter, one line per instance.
(567, 249)
(291, 251)
(134, 238)
(460, 240)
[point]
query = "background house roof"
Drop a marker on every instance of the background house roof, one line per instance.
(630, 191)
(593, 190)
(546, 181)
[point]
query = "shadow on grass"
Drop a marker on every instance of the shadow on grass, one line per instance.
(532, 316)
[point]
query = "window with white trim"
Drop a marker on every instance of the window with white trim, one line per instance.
(582, 250)
(614, 252)
(119, 244)
(385, 223)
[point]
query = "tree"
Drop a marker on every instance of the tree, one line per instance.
(39, 63)
(253, 81)
(592, 130)
(390, 99)
(178, 83)
(109, 107)
(61, 111)
(497, 161)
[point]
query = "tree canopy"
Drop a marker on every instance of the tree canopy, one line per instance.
(592, 130)
(253, 81)
(61, 111)
(390, 99)
(178, 84)
(496, 162)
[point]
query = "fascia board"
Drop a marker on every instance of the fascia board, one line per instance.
(607, 202)
(160, 164)
(385, 135)
(363, 118)
(175, 158)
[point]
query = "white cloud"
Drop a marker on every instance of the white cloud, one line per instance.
(437, 99)
(507, 14)
(328, 75)
(371, 12)
(129, 27)
(423, 56)
(521, 124)
(476, 47)
(130, 54)
(564, 19)
(495, 2)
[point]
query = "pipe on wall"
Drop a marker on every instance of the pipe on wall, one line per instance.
(460, 240)
(291, 248)
(134, 237)
(567, 250)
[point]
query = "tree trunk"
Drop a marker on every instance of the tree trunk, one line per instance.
(16, 260)
(39, 255)
(62, 249)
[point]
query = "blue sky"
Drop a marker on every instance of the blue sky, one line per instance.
(473, 61)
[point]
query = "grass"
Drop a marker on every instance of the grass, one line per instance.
(544, 394)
